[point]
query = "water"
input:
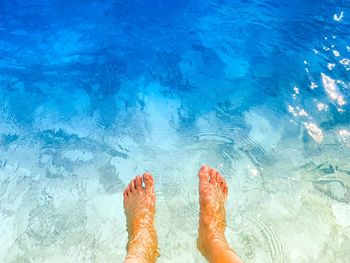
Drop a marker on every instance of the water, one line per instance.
(95, 92)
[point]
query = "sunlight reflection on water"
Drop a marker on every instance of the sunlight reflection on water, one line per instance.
(94, 93)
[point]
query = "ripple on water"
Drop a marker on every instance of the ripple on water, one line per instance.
(259, 236)
(331, 179)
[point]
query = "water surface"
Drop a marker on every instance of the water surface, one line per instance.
(95, 92)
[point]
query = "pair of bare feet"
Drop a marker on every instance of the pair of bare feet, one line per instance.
(139, 205)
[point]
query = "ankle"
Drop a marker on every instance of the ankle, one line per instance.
(141, 254)
(208, 243)
(131, 259)
(216, 249)
(143, 246)
(211, 231)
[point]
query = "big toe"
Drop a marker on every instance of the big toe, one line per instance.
(149, 182)
(203, 173)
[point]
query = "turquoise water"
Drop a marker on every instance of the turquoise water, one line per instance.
(93, 93)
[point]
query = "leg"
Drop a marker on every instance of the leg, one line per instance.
(139, 206)
(212, 218)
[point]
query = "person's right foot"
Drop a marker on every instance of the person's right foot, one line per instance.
(212, 218)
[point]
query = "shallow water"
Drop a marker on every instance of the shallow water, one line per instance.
(95, 92)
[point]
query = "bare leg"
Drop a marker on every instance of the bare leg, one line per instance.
(139, 206)
(211, 241)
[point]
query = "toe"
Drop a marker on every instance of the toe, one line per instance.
(226, 191)
(219, 178)
(126, 190)
(203, 173)
(212, 174)
(138, 182)
(131, 187)
(125, 195)
(222, 182)
(149, 183)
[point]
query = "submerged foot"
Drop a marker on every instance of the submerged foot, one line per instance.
(139, 206)
(211, 240)
(212, 217)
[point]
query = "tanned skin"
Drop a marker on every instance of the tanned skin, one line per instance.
(139, 206)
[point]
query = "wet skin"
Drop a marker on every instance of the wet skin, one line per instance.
(211, 241)
(139, 205)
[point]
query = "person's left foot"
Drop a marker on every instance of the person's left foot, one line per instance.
(139, 206)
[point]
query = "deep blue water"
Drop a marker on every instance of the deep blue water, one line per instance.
(94, 92)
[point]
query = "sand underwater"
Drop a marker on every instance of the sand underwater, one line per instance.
(93, 93)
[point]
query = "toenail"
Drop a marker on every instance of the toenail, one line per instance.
(205, 168)
(147, 176)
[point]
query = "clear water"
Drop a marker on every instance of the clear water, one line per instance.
(95, 92)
